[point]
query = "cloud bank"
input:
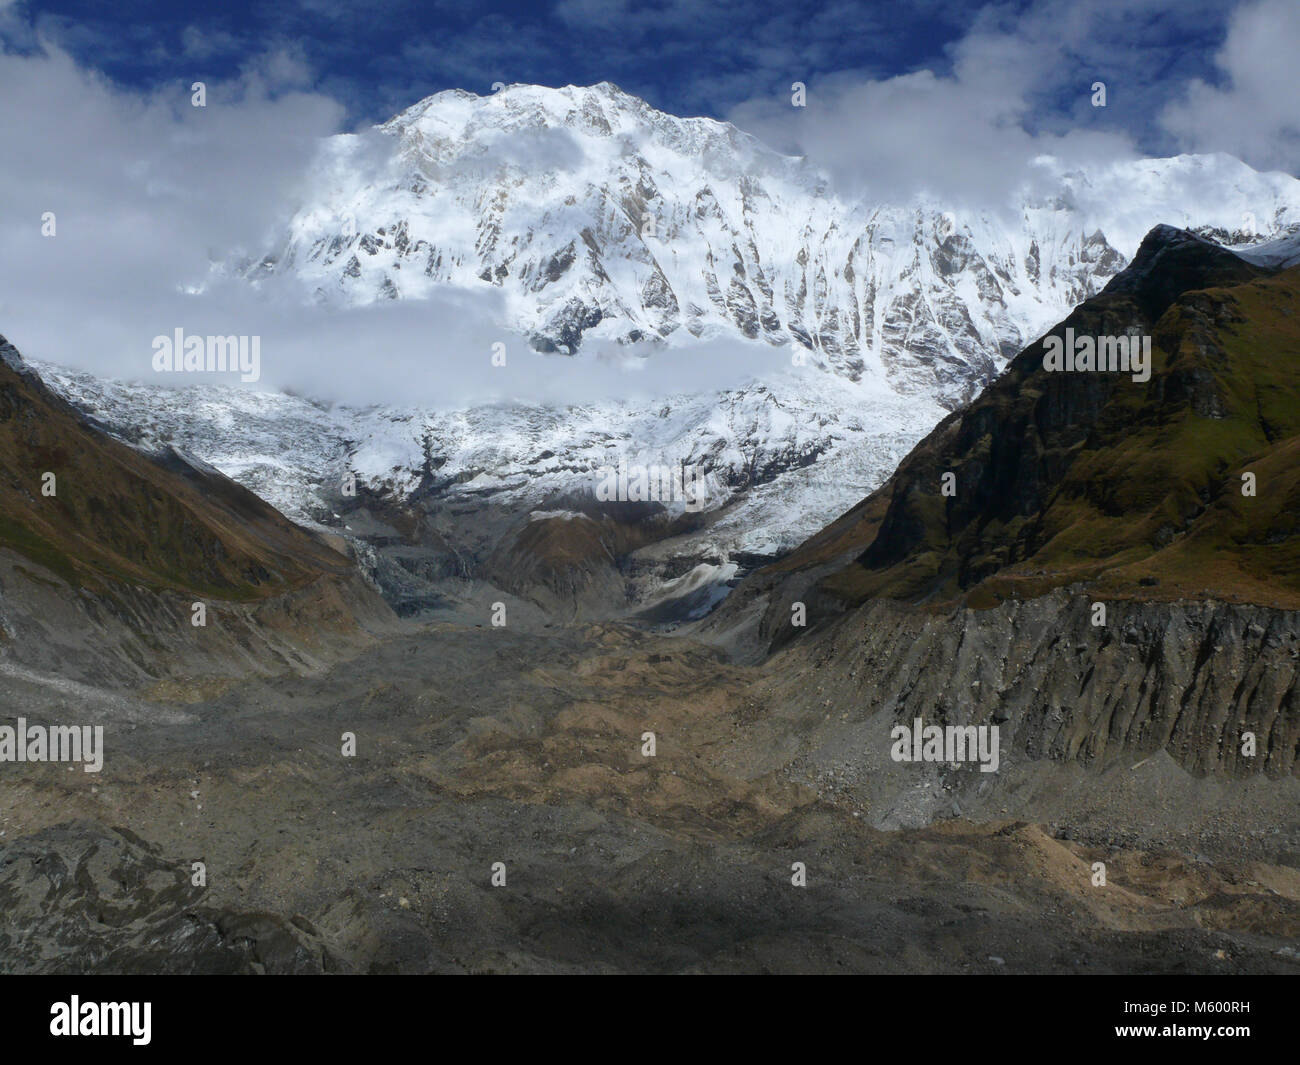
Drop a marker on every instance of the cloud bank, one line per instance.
(1019, 85)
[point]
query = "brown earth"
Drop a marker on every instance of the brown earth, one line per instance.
(477, 746)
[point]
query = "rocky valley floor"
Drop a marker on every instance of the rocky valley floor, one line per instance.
(477, 745)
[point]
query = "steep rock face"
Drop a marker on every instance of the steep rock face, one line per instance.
(1187, 678)
(1019, 451)
(1098, 584)
(1087, 475)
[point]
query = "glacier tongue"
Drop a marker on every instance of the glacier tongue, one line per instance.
(783, 457)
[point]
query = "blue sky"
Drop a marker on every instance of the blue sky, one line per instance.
(683, 56)
(377, 57)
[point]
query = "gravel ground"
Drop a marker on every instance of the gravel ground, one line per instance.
(477, 746)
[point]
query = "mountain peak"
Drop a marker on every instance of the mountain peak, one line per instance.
(601, 219)
(1171, 261)
(10, 356)
(589, 108)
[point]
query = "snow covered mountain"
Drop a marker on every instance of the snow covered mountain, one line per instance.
(597, 216)
(781, 458)
(599, 221)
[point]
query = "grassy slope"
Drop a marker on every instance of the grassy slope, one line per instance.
(1070, 477)
(119, 516)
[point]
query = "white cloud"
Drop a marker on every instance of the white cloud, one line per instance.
(1255, 113)
(921, 133)
(144, 189)
(1018, 85)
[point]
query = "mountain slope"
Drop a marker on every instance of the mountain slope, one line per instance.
(104, 549)
(545, 199)
(1073, 491)
(1061, 478)
(116, 514)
